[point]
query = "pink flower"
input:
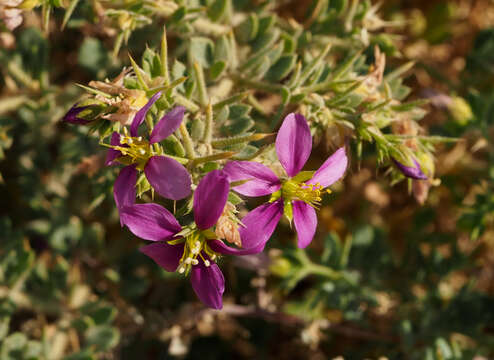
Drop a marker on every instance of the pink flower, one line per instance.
(196, 251)
(166, 175)
(296, 196)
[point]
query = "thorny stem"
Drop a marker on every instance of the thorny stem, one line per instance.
(312, 268)
(214, 157)
(164, 58)
(138, 73)
(182, 100)
(187, 141)
(260, 85)
(208, 131)
(201, 84)
(237, 97)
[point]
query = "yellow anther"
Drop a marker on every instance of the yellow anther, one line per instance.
(309, 193)
(195, 248)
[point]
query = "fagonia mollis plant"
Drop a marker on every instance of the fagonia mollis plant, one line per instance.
(237, 111)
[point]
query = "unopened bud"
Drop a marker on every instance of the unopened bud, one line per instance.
(460, 111)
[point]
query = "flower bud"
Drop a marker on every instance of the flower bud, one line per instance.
(280, 266)
(460, 111)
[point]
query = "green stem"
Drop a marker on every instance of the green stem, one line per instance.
(218, 143)
(208, 131)
(214, 157)
(181, 100)
(324, 271)
(351, 15)
(118, 45)
(233, 99)
(260, 85)
(201, 84)
(187, 141)
(68, 12)
(164, 58)
(138, 73)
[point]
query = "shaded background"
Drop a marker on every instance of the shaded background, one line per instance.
(74, 286)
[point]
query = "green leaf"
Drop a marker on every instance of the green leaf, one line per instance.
(266, 40)
(103, 337)
(222, 115)
(266, 23)
(197, 129)
(151, 63)
(281, 68)
(234, 198)
(217, 69)
(239, 110)
(93, 55)
(246, 153)
(178, 15)
(261, 68)
(247, 30)
(222, 49)
(173, 146)
(218, 10)
(101, 314)
(239, 126)
(201, 50)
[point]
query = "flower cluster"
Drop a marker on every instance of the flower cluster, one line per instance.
(194, 248)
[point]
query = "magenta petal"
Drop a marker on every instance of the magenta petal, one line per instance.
(293, 143)
(210, 198)
(332, 170)
(220, 247)
(209, 284)
(305, 219)
(112, 154)
(168, 177)
(167, 125)
(165, 255)
(262, 181)
(124, 189)
(141, 114)
(413, 172)
(71, 116)
(150, 221)
(259, 224)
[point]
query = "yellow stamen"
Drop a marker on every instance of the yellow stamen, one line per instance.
(308, 193)
(195, 246)
(137, 150)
